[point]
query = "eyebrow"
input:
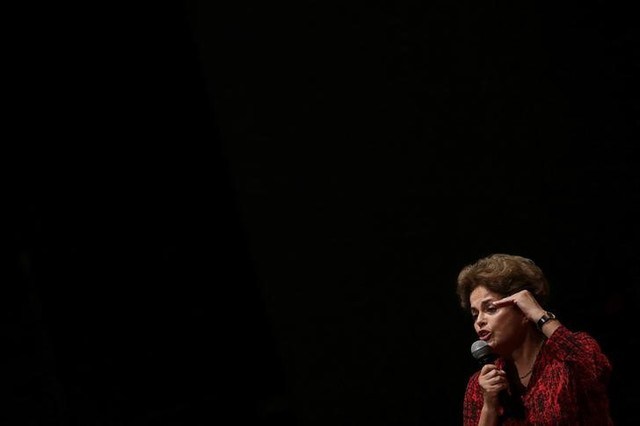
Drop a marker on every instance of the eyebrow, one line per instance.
(484, 302)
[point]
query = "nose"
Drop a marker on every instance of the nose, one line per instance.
(480, 321)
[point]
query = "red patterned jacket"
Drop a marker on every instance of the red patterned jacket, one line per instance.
(568, 386)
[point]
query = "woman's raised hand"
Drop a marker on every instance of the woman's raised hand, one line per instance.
(525, 301)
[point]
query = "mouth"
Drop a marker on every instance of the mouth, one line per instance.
(484, 335)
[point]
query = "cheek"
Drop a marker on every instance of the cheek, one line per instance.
(508, 323)
(501, 321)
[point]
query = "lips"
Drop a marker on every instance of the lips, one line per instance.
(483, 334)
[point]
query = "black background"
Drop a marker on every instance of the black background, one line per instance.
(255, 213)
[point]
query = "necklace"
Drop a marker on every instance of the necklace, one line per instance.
(522, 377)
(534, 362)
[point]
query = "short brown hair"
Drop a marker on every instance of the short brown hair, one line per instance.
(503, 274)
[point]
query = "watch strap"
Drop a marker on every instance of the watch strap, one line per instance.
(548, 316)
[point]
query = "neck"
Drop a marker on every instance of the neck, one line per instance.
(525, 354)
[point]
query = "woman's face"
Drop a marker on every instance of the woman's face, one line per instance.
(502, 328)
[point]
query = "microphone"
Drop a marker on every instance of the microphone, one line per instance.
(481, 351)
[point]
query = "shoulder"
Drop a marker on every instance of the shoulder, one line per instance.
(564, 333)
(473, 379)
(473, 386)
(568, 341)
(473, 401)
(580, 352)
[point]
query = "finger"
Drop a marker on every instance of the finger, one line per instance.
(490, 374)
(487, 368)
(496, 373)
(502, 386)
(504, 302)
(496, 381)
(493, 373)
(496, 388)
(501, 374)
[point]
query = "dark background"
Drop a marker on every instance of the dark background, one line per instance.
(255, 213)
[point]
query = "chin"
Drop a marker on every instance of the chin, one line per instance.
(496, 347)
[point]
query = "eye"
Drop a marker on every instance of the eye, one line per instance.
(491, 309)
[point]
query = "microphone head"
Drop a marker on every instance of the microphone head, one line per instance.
(481, 351)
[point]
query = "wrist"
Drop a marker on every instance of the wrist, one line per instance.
(544, 319)
(491, 411)
(491, 403)
(537, 314)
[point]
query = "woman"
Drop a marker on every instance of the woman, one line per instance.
(544, 373)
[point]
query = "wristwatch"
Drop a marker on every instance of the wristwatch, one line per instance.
(548, 316)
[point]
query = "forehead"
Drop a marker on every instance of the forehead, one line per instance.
(480, 294)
